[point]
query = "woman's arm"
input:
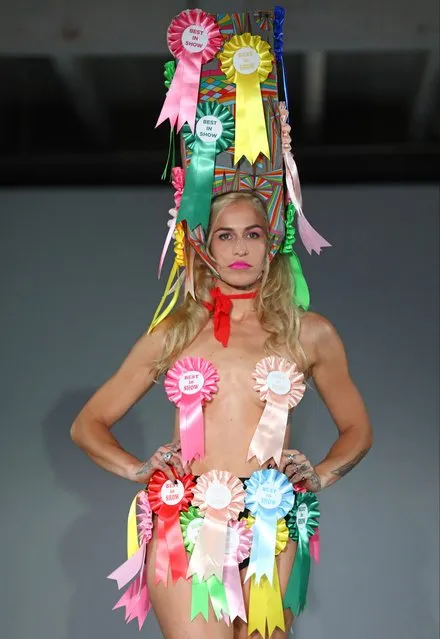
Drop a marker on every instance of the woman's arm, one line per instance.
(333, 381)
(91, 428)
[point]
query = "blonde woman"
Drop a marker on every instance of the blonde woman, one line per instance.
(262, 321)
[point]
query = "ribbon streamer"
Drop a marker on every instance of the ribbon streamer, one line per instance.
(282, 387)
(246, 61)
(302, 522)
(177, 179)
(311, 239)
(214, 133)
(269, 497)
(265, 601)
(301, 294)
(193, 38)
(169, 71)
(135, 600)
(188, 384)
(167, 501)
(278, 24)
(202, 591)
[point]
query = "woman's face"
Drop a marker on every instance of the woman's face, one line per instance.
(239, 244)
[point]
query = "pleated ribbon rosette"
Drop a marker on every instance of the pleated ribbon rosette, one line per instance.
(188, 384)
(302, 522)
(281, 386)
(220, 498)
(193, 38)
(214, 133)
(265, 601)
(167, 500)
(135, 599)
(269, 497)
(246, 60)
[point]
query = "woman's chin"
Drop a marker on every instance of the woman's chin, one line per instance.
(239, 278)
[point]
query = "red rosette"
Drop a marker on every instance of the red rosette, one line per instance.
(167, 500)
(193, 38)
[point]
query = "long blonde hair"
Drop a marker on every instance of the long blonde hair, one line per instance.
(276, 312)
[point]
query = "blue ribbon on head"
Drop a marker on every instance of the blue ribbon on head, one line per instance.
(278, 23)
(259, 488)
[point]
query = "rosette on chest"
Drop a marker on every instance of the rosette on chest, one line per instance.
(281, 386)
(188, 384)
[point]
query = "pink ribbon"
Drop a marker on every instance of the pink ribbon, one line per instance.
(136, 598)
(184, 31)
(189, 383)
(315, 545)
(269, 436)
(311, 239)
(231, 573)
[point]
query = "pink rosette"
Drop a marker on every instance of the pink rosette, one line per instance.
(193, 38)
(311, 239)
(238, 548)
(136, 599)
(220, 498)
(281, 386)
(189, 383)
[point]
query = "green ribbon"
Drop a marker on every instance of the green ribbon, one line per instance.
(202, 591)
(301, 296)
(196, 199)
(168, 73)
(302, 521)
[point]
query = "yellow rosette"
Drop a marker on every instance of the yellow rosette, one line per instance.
(246, 60)
(265, 602)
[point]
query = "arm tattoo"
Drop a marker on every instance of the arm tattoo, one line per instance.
(345, 468)
(143, 470)
(315, 480)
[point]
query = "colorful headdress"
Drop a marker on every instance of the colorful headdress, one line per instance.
(224, 97)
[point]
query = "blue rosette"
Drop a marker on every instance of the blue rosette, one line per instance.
(269, 497)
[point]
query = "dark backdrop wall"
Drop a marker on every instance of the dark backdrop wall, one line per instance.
(78, 286)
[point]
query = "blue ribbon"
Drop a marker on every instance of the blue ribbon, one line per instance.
(262, 555)
(278, 24)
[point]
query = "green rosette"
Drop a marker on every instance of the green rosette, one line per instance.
(168, 74)
(202, 591)
(213, 133)
(302, 522)
(301, 296)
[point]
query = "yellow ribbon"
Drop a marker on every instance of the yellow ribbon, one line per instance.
(265, 602)
(246, 61)
(173, 279)
(132, 535)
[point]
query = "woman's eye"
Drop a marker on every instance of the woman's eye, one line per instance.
(224, 236)
(254, 235)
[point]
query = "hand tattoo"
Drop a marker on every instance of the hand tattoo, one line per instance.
(145, 468)
(345, 468)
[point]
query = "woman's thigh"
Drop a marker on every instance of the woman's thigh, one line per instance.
(172, 607)
(285, 564)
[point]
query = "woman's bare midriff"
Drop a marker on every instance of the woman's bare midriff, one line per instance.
(231, 417)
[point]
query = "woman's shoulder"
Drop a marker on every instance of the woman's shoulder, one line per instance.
(316, 331)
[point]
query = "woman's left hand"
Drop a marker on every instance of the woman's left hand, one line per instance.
(299, 470)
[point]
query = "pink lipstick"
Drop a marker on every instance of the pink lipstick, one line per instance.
(239, 266)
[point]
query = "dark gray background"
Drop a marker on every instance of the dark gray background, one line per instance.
(78, 287)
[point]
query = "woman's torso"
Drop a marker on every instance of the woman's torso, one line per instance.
(232, 415)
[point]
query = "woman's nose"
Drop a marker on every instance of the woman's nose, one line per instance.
(240, 247)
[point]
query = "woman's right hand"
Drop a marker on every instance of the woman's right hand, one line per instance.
(144, 472)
